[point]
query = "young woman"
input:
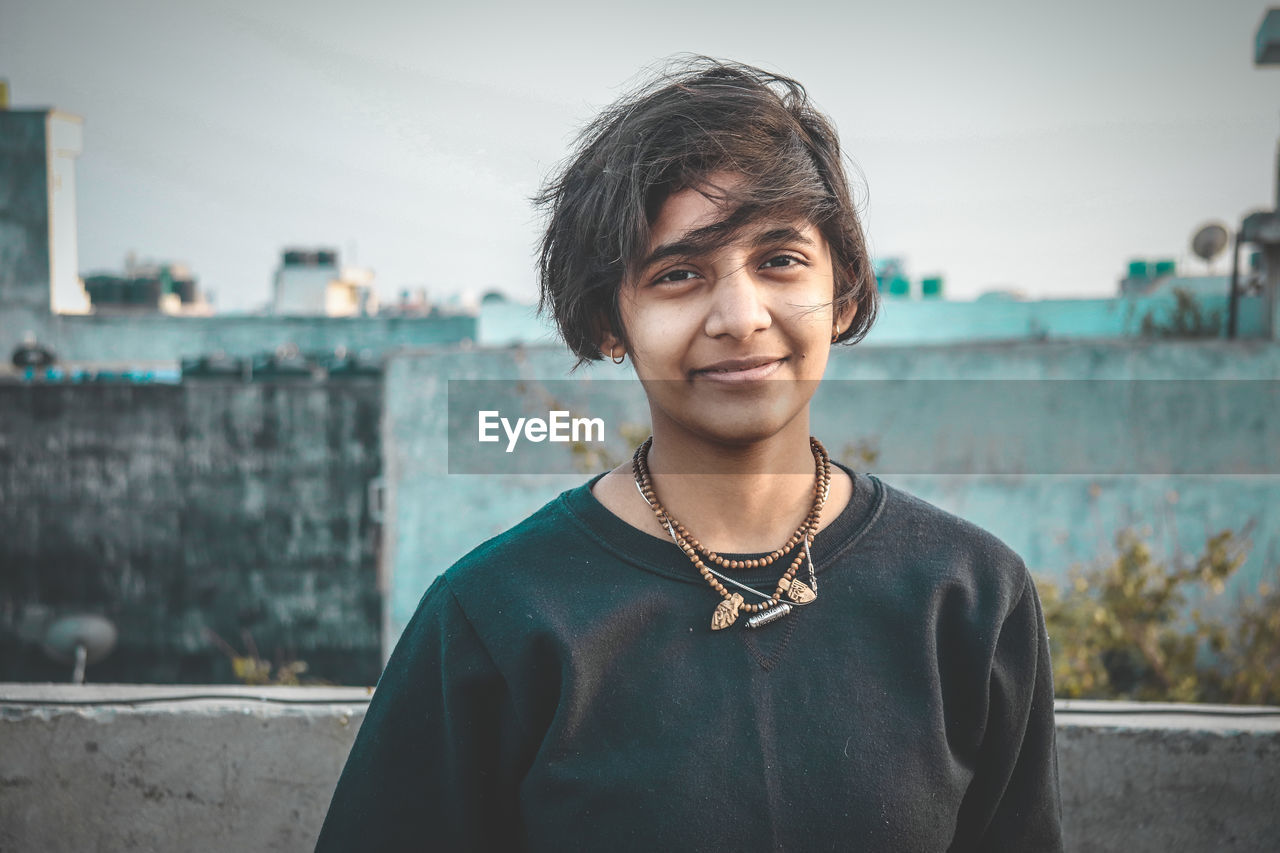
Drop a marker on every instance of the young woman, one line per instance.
(730, 643)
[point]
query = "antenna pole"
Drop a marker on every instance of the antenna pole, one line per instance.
(1233, 296)
(82, 658)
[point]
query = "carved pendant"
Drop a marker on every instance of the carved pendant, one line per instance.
(726, 612)
(800, 593)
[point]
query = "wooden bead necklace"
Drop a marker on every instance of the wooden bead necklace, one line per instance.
(773, 607)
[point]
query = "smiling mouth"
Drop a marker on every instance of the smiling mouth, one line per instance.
(741, 370)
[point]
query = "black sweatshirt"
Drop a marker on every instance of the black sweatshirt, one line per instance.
(560, 688)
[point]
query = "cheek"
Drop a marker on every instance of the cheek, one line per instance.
(654, 345)
(657, 330)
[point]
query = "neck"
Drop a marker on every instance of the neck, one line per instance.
(759, 493)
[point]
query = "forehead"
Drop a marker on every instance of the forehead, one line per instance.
(687, 210)
(701, 219)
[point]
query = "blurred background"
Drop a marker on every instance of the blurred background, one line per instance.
(1004, 145)
(244, 247)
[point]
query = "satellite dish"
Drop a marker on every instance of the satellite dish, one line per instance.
(1209, 242)
(80, 640)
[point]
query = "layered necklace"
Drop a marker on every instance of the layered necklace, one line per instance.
(772, 607)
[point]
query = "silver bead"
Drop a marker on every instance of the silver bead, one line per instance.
(764, 617)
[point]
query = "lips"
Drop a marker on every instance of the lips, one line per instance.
(740, 369)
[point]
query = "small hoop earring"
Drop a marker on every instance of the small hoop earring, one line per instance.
(835, 337)
(617, 359)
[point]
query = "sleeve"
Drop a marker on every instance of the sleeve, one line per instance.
(433, 766)
(1013, 802)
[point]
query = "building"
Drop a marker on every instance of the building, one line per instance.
(38, 149)
(893, 282)
(151, 318)
(310, 282)
(411, 303)
(153, 288)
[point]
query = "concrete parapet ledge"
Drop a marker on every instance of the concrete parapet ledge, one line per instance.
(1140, 777)
(178, 768)
(240, 768)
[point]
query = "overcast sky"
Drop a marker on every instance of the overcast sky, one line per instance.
(1001, 143)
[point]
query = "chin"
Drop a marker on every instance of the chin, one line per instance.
(739, 430)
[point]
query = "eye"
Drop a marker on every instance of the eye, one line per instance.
(782, 262)
(676, 277)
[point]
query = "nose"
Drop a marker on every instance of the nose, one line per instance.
(739, 306)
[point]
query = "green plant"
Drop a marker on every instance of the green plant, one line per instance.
(251, 669)
(1186, 321)
(1121, 630)
(861, 455)
(594, 457)
(1252, 658)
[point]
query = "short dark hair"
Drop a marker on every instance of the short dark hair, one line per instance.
(697, 118)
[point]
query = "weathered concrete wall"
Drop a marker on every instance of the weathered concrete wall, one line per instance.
(24, 213)
(1053, 520)
(228, 774)
(99, 339)
(201, 534)
(177, 510)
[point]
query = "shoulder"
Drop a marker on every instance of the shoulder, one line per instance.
(942, 554)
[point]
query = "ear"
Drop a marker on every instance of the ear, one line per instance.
(611, 346)
(607, 340)
(843, 319)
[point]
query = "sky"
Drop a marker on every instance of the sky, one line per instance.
(999, 143)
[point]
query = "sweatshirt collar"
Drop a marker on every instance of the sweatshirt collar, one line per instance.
(661, 556)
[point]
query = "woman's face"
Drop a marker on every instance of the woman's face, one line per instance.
(730, 341)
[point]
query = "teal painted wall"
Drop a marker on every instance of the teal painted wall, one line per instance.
(927, 321)
(1052, 520)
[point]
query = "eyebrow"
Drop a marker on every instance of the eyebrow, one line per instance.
(710, 236)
